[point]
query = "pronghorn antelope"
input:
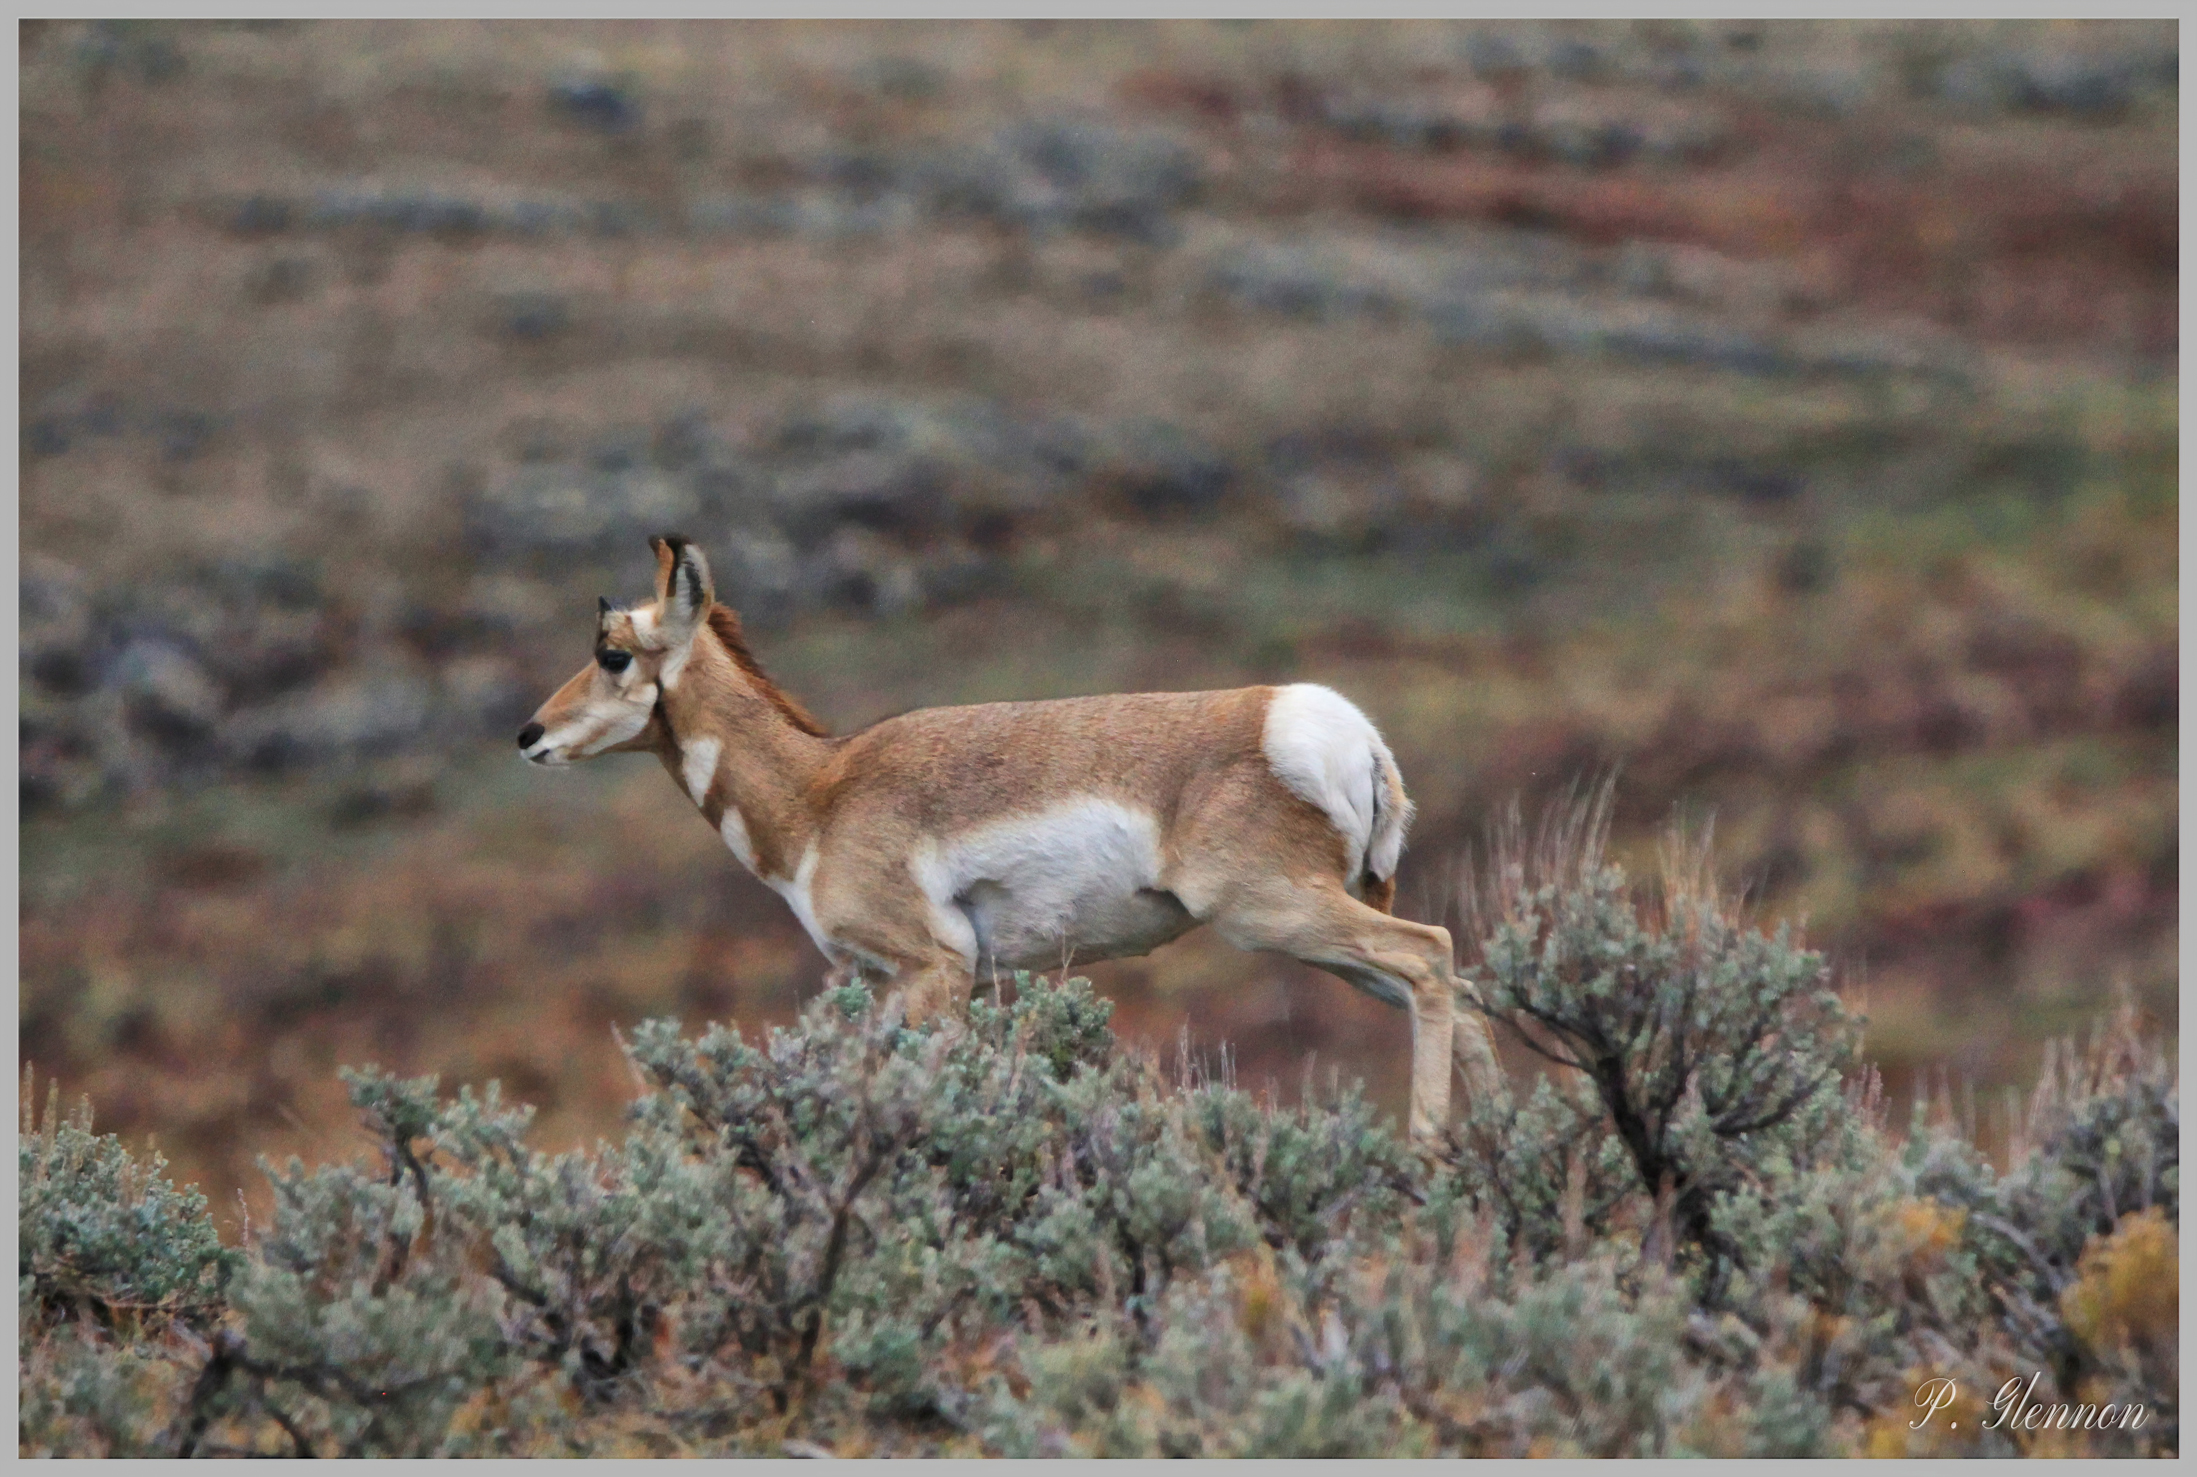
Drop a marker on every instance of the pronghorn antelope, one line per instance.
(940, 845)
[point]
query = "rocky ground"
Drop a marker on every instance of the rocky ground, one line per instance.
(1783, 410)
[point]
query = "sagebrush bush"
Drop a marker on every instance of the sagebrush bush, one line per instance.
(1702, 1059)
(102, 1234)
(1012, 1235)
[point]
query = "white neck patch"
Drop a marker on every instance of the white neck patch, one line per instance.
(798, 893)
(675, 662)
(734, 828)
(698, 766)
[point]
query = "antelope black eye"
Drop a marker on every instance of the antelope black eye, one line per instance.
(614, 661)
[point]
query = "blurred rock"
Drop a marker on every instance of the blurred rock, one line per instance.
(1594, 145)
(59, 762)
(531, 316)
(260, 625)
(501, 608)
(890, 491)
(1409, 125)
(733, 488)
(131, 49)
(870, 462)
(482, 694)
(184, 434)
(620, 218)
(1335, 489)
(2089, 87)
(2151, 695)
(1752, 483)
(56, 632)
(1155, 466)
(403, 211)
(843, 423)
(605, 105)
(353, 716)
(1002, 468)
(1576, 60)
(905, 78)
(858, 570)
(2085, 86)
(272, 578)
(758, 573)
(954, 574)
(1806, 567)
(618, 449)
(45, 435)
(286, 279)
(1671, 340)
(1679, 71)
(1584, 128)
(534, 438)
(1444, 498)
(542, 217)
(168, 695)
(547, 515)
(262, 215)
(1496, 322)
(864, 174)
(682, 440)
(1068, 175)
(1043, 176)
(744, 215)
(390, 790)
(1118, 182)
(1343, 505)
(1293, 282)
(1493, 55)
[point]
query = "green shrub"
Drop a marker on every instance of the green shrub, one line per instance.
(1700, 1060)
(2096, 1152)
(1009, 1235)
(101, 1233)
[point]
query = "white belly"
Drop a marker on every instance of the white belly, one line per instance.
(1080, 881)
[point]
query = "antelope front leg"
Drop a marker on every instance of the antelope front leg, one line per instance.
(938, 988)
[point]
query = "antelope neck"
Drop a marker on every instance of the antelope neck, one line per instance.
(757, 803)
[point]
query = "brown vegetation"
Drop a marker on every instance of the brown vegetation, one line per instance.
(1785, 411)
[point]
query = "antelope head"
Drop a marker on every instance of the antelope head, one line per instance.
(613, 704)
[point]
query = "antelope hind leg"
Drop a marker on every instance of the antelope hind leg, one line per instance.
(1474, 1041)
(1403, 963)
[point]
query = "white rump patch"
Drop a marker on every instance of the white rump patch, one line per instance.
(698, 766)
(1328, 752)
(1084, 874)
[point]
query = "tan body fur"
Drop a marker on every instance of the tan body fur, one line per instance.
(933, 848)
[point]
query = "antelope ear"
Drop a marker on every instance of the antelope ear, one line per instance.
(686, 590)
(666, 547)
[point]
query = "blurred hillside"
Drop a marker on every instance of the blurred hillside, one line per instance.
(1786, 411)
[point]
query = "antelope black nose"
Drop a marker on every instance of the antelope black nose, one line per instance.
(530, 735)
